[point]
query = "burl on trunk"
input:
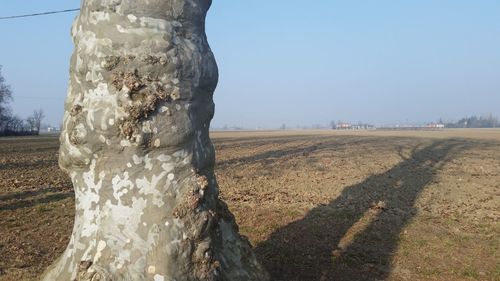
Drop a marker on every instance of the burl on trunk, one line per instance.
(136, 145)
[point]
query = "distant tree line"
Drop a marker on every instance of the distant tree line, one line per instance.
(489, 121)
(10, 124)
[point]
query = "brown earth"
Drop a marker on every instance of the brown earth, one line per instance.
(317, 205)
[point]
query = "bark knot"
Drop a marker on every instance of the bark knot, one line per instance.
(87, 271)
(146, 92)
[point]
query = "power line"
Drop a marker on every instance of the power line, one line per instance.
(39, 98)
(39, 14)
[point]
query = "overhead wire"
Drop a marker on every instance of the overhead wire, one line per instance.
(39, 14)
(35, 15)
(38, 98)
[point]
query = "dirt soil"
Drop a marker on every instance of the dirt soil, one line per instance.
(316, 205)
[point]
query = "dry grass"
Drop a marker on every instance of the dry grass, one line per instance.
(316, 205)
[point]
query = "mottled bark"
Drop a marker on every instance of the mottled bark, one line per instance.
(136, 145)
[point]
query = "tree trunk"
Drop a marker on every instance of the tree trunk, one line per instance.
(136, 146)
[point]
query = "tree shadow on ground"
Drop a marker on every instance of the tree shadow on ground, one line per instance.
(28, 165)
(304, 147)
(30, 198)
(355, 236)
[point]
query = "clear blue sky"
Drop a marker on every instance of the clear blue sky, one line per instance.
(301, 62)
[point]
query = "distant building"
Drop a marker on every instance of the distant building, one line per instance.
(343, 126)
(53, 129)
(349, 126)
(435, 126)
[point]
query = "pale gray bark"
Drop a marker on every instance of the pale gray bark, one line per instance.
(136, 145)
